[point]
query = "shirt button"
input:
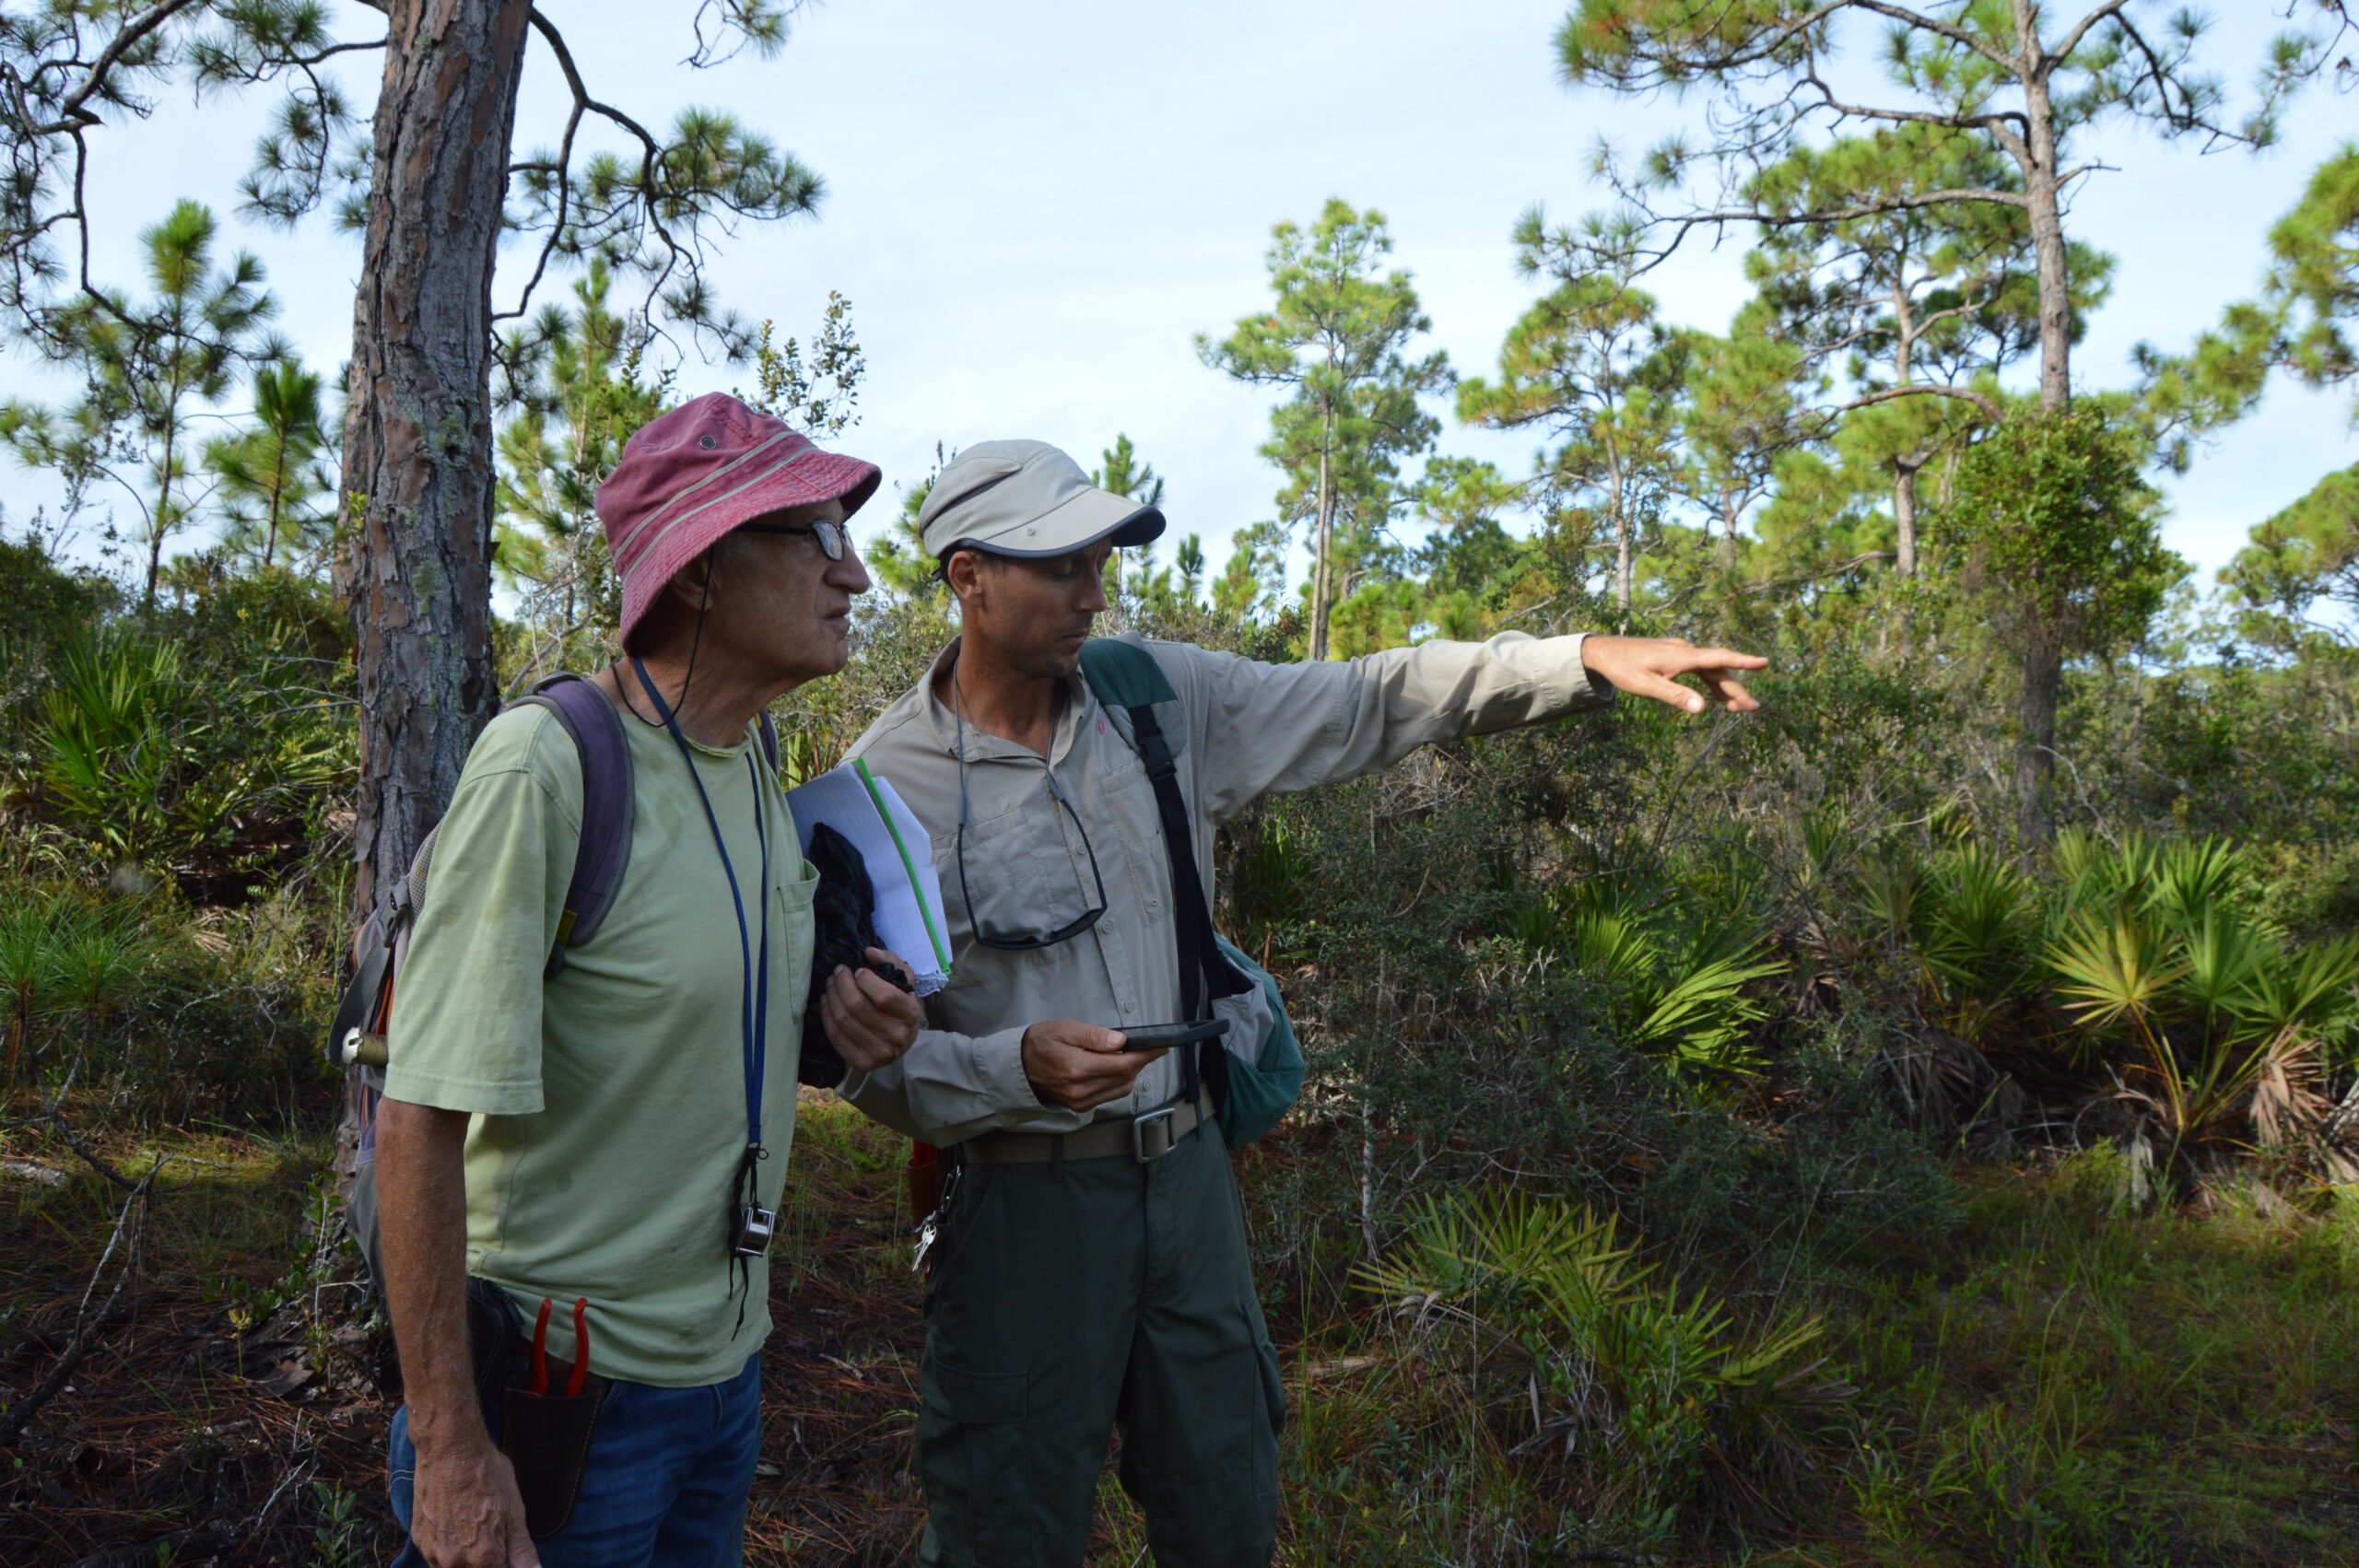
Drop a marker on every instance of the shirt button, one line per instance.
(1129, 1007)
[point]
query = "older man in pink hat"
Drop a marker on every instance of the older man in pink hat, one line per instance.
(602, 1124)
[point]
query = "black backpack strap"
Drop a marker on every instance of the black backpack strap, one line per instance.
(1123, 675)
(606, 805)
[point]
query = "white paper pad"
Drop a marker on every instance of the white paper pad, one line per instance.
(892, 845)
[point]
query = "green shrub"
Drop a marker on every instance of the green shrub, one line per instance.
(1655, 1399)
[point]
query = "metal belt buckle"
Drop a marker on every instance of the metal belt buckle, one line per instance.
(1162, 1142)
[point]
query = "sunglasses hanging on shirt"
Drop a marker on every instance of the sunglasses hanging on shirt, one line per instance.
(1019, 942)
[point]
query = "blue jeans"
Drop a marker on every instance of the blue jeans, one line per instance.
(667, 1481)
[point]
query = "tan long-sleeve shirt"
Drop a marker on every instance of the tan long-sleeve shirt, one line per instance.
(1250, 728)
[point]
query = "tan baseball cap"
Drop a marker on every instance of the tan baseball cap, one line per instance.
(1025, 498)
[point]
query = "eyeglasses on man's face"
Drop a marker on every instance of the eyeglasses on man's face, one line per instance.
(835, 538)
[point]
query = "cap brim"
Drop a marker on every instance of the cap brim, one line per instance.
(1086, 519)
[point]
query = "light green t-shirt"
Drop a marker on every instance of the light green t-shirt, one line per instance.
(610, 1100)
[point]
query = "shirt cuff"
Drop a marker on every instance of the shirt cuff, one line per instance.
(443, 1094)
(1583, 687)
(997, 1063)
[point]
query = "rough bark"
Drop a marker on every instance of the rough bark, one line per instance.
(417, 567)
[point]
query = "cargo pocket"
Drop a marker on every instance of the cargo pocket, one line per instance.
(1272, 1390)
(971, 1462)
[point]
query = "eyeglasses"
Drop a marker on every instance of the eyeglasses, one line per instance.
(835, 538)
(1026, 943)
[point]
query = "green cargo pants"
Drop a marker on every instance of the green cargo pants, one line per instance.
(1071, 1298)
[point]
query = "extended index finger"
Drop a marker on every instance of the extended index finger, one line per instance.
(1689, 659)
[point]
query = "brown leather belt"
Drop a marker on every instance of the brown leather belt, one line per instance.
(1142, 1138)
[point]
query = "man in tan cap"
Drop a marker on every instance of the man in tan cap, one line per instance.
(1092, 1268)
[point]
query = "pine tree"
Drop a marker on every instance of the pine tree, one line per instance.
(275, 478)
(1337, 335)
(1585, 364)
(151, 366)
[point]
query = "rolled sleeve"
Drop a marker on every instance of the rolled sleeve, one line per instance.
(949, 1086)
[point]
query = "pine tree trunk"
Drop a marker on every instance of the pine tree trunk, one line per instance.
(1903, 481)
(1904, 516)
(2043, 657)
(1326, 535)
(2036, 756)
(416, 572)
(1621, 538)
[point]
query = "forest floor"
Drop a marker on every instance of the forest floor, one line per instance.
(2050, 1384)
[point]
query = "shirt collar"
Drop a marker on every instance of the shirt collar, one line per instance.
(1079, 704)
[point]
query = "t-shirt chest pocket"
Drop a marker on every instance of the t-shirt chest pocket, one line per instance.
(794, 934)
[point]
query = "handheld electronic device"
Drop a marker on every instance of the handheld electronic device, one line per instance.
(1170, 1036)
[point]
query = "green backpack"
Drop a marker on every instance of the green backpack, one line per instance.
(1253, 1080)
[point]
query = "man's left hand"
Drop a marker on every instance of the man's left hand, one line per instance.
(870, 1021)
(1652, 666)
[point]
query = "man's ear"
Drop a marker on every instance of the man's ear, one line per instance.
(964, 572)
(695, 586)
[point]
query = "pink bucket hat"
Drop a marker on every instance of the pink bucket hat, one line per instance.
(691, 475)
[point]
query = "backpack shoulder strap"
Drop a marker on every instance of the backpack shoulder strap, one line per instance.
(1125, 676)
(607, 798)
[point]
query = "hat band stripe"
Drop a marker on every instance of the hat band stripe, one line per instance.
(714, 478)
(788, 462)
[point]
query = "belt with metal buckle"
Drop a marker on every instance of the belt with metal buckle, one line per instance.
(1145, 1138)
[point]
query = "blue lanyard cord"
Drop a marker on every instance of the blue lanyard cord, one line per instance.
(754, 1000)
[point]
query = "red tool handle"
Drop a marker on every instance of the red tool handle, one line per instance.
(581, 1348)
(541, 1350)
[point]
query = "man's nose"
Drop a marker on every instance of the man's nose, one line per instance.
(849, 573)
(1093, 593)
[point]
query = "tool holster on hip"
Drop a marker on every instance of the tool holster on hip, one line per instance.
(545, 1434)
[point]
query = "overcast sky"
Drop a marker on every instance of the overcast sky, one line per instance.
(1034, 207)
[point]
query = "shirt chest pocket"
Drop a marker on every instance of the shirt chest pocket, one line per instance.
(1134, 821)
(1013, 878)
(792, 933)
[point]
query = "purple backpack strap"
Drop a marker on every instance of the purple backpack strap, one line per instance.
(606, 805)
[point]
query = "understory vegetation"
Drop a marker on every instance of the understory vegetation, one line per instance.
(1725, 1141)
(1915, 1123)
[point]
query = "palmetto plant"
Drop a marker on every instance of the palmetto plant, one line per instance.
(1661, 1385)
(111, 745)
(1674, 986)
(2230, 1034)
(150, 763)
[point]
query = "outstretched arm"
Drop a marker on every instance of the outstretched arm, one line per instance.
(1268, 728)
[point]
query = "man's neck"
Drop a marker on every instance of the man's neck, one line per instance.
(999, 699)
(717, 704)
